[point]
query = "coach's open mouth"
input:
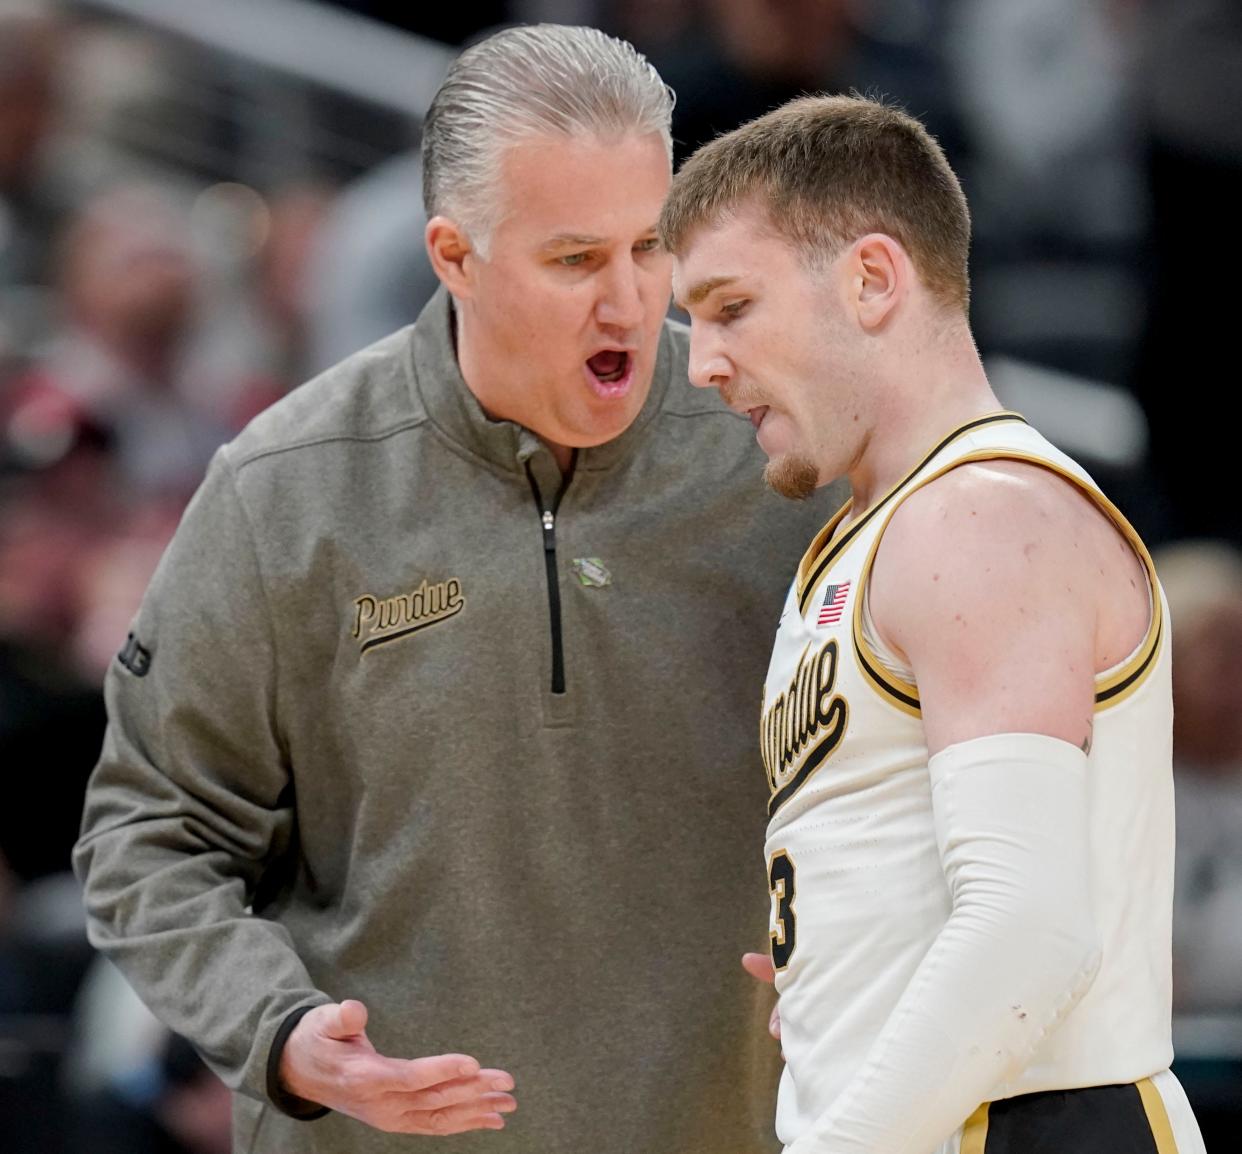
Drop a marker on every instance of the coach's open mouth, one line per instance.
(610, 365)
(610, 372)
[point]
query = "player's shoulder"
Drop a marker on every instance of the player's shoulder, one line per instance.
(978, 555)
(980, 533)
(986, 507)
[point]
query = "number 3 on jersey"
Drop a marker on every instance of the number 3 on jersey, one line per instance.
(784, 933)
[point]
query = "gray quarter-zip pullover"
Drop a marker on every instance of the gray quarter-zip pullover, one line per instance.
(402, 720)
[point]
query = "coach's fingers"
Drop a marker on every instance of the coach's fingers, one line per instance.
(485, 1114)
(411, 1075)
(461, 1091)
(759, 967)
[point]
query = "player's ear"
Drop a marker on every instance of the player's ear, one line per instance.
(880, 273)
(452, 255)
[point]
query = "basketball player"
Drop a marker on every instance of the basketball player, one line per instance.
(966, 722)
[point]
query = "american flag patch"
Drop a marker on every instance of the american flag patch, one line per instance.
(834, 604)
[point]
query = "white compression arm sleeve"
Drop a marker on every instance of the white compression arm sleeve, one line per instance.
(1018, 950)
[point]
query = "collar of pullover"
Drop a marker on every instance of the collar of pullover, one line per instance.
(437, 382)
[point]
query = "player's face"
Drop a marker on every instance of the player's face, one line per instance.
(570, 299)
(773, 337)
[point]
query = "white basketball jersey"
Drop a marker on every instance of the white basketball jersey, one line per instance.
(858, 893)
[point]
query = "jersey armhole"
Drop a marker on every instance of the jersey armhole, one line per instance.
(894, 681)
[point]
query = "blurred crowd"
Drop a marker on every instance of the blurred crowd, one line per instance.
(159, 287)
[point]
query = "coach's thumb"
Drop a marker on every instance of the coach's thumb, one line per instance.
(349, 1021)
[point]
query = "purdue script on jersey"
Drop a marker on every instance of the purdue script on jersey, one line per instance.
(804, 724)
(381, 619)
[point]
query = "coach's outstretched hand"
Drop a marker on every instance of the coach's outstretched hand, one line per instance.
(329, 1059)
(759, 966)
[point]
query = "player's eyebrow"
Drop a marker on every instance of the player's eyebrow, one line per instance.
(704, 289)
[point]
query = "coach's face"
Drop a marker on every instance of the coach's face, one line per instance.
(560, 322)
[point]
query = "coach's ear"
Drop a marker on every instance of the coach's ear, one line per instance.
(880, 277)
(452, 255)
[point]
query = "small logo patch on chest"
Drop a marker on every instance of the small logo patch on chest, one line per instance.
(592, 572)
(378, 620)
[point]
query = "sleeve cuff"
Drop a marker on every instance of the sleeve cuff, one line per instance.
(285, 1102)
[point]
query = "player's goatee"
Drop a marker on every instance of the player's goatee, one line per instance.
(792, 476)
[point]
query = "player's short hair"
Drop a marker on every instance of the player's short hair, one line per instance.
(826, 170)
(538, 80)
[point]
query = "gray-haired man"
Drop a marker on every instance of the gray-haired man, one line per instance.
(433, 744)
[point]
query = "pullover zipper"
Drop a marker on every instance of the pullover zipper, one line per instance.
(547, 516)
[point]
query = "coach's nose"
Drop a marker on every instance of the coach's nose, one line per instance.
(620, 303)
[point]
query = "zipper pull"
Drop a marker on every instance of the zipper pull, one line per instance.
(549, 529)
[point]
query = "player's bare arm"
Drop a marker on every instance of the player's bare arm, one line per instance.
(329, 1059)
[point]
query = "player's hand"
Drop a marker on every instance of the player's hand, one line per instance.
(329, 1059)
(759, 966)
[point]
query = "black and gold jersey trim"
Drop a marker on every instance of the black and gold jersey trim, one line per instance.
(1111, 688)
(820, 543)
(902, 694)
(824, 550)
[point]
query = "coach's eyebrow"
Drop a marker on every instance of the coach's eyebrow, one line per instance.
(704, 289)
(575, 239)
(570, 238)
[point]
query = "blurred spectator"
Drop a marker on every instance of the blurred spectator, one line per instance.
(29, 44)
(1053, 172)
(370, 275)
(58, 501)
(1203, 583)
(101, 444)
(32, 201)
(1191, 92)
(130, 293)
(102, 438)
(297, 218)
(1044, 91)
(740, 58)
(128, 285)
(257, 336)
